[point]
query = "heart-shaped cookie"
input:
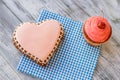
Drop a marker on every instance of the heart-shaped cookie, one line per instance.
(38, 40)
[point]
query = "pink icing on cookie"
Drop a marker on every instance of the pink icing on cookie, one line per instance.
(97, 29)
(39, 40)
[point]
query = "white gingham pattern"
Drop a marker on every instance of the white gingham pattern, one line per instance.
(73, 60)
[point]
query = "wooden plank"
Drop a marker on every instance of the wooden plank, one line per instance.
(109, 61)
(18, 10)
(106, 71)
(7, 50)
(6, 72)
(81, 8)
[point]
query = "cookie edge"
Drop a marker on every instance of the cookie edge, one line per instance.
(36, 59)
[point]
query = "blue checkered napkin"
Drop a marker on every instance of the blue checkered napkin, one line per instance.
(73, 60)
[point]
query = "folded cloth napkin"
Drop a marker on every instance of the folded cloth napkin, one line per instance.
(74, 59)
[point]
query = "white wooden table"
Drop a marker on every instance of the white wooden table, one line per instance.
(13, 12)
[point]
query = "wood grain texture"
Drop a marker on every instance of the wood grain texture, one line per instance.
(6, 71)
(13, 12)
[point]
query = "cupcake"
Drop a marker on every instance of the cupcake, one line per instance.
(97, 30)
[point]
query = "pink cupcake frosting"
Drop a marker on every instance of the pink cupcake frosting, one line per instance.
(97, 29)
